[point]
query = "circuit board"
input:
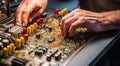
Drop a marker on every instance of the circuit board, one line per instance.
(42, 43)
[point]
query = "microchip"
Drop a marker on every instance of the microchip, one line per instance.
(16, 30)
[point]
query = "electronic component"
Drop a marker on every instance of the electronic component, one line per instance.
(44, 15)
(5, 42)
(41, 43)
(51, 39)
(26, 37)
(56, 11)
(39, 21)
(18, 62)
(38, 35)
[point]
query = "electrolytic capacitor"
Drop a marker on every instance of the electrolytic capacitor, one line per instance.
(29, 30)
(38, 35)
(50, 28)
(39, 21)
(56, 11)
(5, 51)
(26, 37)
(13, 46)
(32, 28)
(62, 12)
(25, 30)
(57, 56)
(22, 40)
(44, 15)
(49, 56)
(18, 45)
(39, 52)
(5, 42)
(9, 49)
(36, 25)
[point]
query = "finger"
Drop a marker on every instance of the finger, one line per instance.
(70, 14)
(36, 13)
(28, 10)
(79, 23)
(67, 24)
(19, 12)
(73, 27)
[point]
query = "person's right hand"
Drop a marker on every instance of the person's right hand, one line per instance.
(93, 21)
(28, 10)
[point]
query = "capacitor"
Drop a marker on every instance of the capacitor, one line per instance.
(22, 40)
(19, 62)
(62, 12)
(18, 45)
(9, 49)
(5, 42)
(25, 30)
(49, 56)
(39, 52)
(44, 49)
(56, 11)
(13, 46)
(33, 26)
(39, 21)
(26, 37)
(36, 25)
(38, 35)
(50, 28)
(5, 51)
(58, 56)
(29, 30)
(51, 39)
(44, 15)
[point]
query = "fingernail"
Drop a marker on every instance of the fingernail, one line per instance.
(30, 19)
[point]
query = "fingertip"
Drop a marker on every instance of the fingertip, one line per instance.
(24, 25)
(30, 20)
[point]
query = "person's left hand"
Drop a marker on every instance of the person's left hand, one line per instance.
(82, 18)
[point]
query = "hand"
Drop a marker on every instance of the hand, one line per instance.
(82, 18)
(28, 10)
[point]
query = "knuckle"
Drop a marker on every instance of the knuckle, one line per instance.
(73, 25)
(26, 11)
(65, 23)
(76, 10)
(82, 18)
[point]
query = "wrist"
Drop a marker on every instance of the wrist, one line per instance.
(110, 20)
